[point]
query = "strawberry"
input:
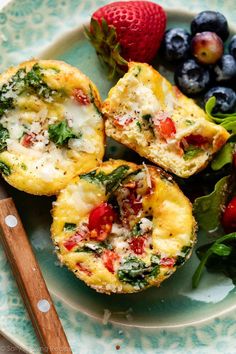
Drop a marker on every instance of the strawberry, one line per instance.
(127, 31)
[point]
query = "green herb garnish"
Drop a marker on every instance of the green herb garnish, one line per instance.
(4, 135)
(15, 85)
(23, 166)
(135, 272)
(218, 257)
(191, 152)
(111, 181)
(5, 169)
(24, 82)
(60, 133)
(69, 226)
(181, 259)
(136, 230)
(139, 126)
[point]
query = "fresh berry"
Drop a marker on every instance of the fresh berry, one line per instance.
(207, 47)
(229, 216)
(192, 78)
(210, 21)
(127, 31)
(232, 46)
(176, 44)
(225, 99)
(225, 70)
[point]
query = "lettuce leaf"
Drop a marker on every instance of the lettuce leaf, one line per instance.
(226, 120)
(207, 209)
(223, 157)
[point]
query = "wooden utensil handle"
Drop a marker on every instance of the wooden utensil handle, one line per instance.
(30, 281)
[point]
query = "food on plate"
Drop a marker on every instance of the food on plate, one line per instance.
(127, 30)
(192, 78)
(51, 127)
(146, 113)
(123, 227)
(176, 44)
(207, 47)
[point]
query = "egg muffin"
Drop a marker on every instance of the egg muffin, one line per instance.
(51, 127)
(122, 227)
(147, 114)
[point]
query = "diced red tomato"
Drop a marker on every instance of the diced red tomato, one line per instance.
(121, 121)
(168, 261)
(81, 97)
(135, 202)
(109, 257)
(27, 140)
(101, 219)
(229, 216)
(166, 128)
(196, 139)
(73, 240)
(137, 244)
(84, 269)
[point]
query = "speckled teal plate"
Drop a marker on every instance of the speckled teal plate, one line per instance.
(172, 319)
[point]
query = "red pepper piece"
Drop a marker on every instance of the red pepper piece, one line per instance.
(196, 139)
(168, 261)
(27, 140)
(121, 122)
(109, 257)
(166, 128)
(81, 97)
(73, 241)
(84, 269)
(137, 244)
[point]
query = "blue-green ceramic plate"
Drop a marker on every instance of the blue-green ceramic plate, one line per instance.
(171, 319)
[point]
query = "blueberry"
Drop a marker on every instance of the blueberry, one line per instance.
(225, 99)
(210, 21)
(207, 47)
(232, 46)
(176, 44)
(225, 69)
(192, 78)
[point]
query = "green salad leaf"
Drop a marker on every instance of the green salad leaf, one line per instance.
(223, 157)
(208, 208)
(226, 120)
(60, 133)
(111, 181)
(217, 257)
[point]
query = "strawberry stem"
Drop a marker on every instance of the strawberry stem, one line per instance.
(104, 40)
